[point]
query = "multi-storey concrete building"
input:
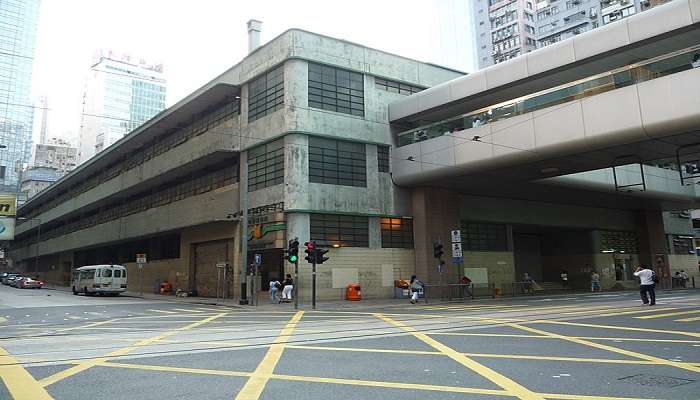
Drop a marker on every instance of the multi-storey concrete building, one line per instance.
(297, 133)
(37, 178)
(56, 153)
(503, 29)
(121, 93)
(18, 22)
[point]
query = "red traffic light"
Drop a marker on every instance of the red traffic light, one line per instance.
(310, 245)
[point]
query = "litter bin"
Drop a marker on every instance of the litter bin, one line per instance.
(353, 292)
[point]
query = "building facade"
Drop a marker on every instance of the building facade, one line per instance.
(35, 179)
(304, 114)
(18, 23)
(503, 29)
(121, 93)
(56, 153)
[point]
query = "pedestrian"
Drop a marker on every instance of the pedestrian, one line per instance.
(685, 278)
(416, 286)
(696, 60)
(528, 284)
(466, 284)
(274, 288)
(595, 281)
(564, 279)
(288, 286)
(647, 281)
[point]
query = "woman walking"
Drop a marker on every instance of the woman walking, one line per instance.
(287, 290)
(416, 286)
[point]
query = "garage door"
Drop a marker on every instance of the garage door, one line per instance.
(206, 255)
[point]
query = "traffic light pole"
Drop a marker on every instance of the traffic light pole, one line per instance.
(313, 285)
(296, 284)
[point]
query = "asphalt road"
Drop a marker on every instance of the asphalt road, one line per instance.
(578, 347)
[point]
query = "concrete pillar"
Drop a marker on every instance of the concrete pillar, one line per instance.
(435, 214)
(652, 241)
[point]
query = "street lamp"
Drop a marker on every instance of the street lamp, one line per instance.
(38, 238)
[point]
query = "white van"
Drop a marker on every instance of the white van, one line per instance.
(100, 279)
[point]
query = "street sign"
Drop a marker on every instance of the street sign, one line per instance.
(141, 258)
(456, 250)
(221, 265)
(456, 236)
(439, 267)
(258, 259)
(457, 260)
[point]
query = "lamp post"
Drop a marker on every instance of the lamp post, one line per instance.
(38, 238)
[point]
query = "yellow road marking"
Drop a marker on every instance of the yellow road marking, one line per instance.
(508, 384)
(256, 383)
(209, 309)
(623, 328)
(87, 326)
(363, 350)
(638, 311)
(3, 320)
(625, 339)
(687, 319)
(669, 314)
(356, 382)
(88, 364)
(655, 360)
(163, 311)
(20, 383)
(188, 310)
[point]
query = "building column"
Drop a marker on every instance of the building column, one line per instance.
(435, 214)
(652, 241)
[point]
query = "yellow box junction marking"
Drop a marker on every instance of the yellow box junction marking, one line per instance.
(673, 314)
(655, 360)
(687, 319)
(508, 384)
(623, 328)
(20, 383)
(257, 381)
(91, 363)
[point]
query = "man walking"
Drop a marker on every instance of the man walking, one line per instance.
(595, 282)
(646, 280)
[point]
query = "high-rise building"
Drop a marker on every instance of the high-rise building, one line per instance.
(122, 92)
(503, 29)
(58, 154)
(18, 23)
(42, 118)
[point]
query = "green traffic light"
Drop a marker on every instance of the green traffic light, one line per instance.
(293, 259)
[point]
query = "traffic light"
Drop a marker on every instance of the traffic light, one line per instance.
(320, 258)
(310, 252)
(292, 251)
(437, 250)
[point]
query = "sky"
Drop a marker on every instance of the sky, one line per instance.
(198, 40)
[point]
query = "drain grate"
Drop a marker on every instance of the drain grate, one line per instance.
(656, 380)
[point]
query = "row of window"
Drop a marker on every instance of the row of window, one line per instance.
(266, 165)
(336, 89)
(169, 192)
(159, 145)
(157, 248)
(353, 231)
(266, 94)
(396, 87)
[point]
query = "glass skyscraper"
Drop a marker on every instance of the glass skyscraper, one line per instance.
(18, 23)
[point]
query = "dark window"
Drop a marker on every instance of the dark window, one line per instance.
(337, 162)
(2, 172)
(621, 242)
(396, 87)
(266, 165)
(683, 244)
(397, 233)
(336, 89)
(383, 158)
(483, 237)
(340, 230)
(266, 94)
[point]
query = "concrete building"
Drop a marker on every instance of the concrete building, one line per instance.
(121, 93)
(18, 22)
(37, 178)
(56, 153)
(302, 121)
(503, 29)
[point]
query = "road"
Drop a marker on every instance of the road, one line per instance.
(578, 347)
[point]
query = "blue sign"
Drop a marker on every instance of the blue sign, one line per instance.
(258, 259)
(457, 260)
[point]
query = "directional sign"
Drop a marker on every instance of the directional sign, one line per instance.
(456, 250)
(258, 259)
(456, 236)
(140, 258)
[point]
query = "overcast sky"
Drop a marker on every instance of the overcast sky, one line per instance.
(197, 40)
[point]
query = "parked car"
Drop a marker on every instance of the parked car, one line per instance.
(6, 278)
(29, 283)
(14, 280)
